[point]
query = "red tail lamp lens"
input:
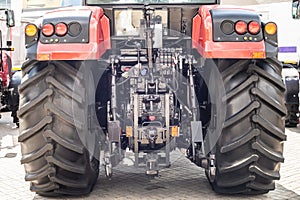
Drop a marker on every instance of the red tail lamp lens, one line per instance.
(240, 27)
(61, 29)
(48, 30)
(254, 27)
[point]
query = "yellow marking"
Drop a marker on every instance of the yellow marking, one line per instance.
(259, 54)
(16, 68)
(175, 132)
(43, 57)
(128, 131)
(290, 62)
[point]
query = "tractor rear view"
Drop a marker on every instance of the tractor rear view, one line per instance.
(112, 77)
(9, 79)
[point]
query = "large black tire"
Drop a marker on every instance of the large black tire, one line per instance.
(55, 160)
(291, 95)
(250, 149)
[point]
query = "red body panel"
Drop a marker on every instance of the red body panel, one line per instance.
(4, 75)
(203, 40)
(99, 39)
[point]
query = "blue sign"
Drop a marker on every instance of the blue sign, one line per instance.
(288, 49)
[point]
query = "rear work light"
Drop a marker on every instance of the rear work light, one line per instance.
(227, 27)
(48, 30)
(254, 27)
(74, 29)
(240, 27)
(61, 29)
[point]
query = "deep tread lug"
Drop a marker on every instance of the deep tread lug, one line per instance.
(246, 138)
(28, 65)
(43, 187)
(64, 164)
(234, 68)
(244, 113)
(64, 142)
(35, 78)
(268, 152)
(34, 155)
(43, 172)
(25, 134)
(261, 72)
(62, 115)
(64, 89)
(70, 70)
(70, 183)
(36, 101)
(263, 187)
(252, 79)
(239, 165)
(271, 129)
(264, 172)
(238, 181)
(269, 100)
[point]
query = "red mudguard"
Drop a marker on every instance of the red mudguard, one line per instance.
(202, 36)
(4, 75)
(99, 38)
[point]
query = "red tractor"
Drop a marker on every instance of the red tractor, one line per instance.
(111, 77)
(9, 79)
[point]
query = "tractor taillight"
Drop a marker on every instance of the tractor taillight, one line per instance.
(227, 27)
(254, 27)
(240, 27)
(48, 30)
(74, 29)
(270, 28)
(61, 29)
(31, 30)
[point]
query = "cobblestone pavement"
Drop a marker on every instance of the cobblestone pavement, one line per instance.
(183, 180)
(12, 183)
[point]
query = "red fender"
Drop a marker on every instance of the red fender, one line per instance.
(99, 38)
(5, 74)
(202, 37)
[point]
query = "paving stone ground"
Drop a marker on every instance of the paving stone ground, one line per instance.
(182, 181)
